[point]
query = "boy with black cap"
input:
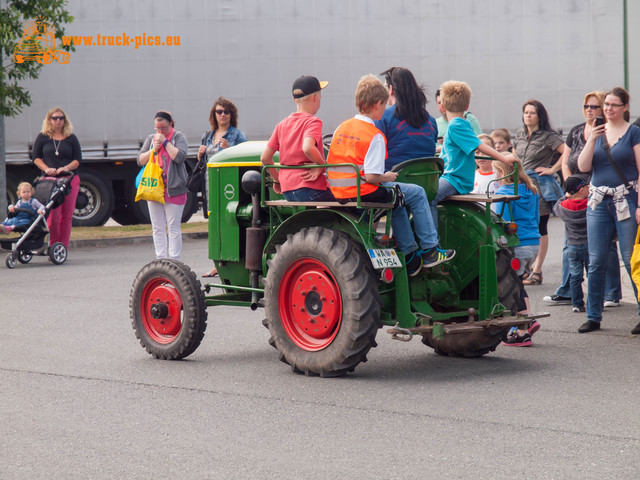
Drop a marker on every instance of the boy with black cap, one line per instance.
(298, 139)
(572, 209)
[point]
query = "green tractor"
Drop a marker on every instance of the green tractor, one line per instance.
(328, 275)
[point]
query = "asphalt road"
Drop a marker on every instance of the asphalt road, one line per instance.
(81, 399)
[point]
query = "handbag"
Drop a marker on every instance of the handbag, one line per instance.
(635, 263)
(195, 179)
(139, 176)
(151, 185)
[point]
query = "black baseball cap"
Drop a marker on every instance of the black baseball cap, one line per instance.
(574, 183)
(306, 85)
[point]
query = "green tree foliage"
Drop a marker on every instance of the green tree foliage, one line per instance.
(14, 14)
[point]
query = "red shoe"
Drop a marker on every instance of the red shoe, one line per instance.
(535, 326)
(516, 340)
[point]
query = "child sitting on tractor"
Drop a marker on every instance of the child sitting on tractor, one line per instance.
(298, 138)
(460, 143)
(358, 141)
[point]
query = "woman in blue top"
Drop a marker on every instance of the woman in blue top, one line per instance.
(224, 133)
(411, 132)
(612, 204)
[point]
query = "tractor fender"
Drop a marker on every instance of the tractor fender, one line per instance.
(328, 218)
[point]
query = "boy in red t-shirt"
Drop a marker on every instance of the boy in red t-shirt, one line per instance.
(298, 139)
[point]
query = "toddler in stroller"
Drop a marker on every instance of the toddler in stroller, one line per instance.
(27, 217)
(24, 211)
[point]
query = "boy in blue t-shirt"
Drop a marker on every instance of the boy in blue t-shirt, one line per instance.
(459, 146)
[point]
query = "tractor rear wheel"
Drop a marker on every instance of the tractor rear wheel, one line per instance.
(476, 344)
(168, 309)
(322, 303)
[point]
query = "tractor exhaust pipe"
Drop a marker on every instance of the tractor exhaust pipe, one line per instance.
(256, 235)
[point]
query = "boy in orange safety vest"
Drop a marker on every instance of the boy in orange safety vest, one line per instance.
(358, 141)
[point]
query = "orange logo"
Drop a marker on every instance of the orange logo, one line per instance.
(38, 43)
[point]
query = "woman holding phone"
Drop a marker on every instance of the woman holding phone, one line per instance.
(612, 152)
(575, 142)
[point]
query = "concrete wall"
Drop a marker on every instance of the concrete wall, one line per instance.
(251, 50)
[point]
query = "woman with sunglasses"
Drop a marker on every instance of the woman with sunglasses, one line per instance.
(536, 145)
(56, 151)
(612, 152)
(169, 148)
(224, 133)
(575, 142)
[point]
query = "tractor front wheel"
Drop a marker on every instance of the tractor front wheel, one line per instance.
(168, 309)
(477, 344)
(322, 303)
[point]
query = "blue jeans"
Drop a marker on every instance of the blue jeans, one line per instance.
(602, 225)
(578, 257)
(309, 195)
(445, 189)
(415, 200)
(612, 286)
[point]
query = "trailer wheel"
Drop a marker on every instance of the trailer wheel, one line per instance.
(322, 303)
(95, 201)
(168, 309)
(477, 344)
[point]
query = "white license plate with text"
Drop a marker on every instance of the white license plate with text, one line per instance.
(384, 258)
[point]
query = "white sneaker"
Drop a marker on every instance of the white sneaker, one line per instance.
(612, 303)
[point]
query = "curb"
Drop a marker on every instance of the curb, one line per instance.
(113, 241)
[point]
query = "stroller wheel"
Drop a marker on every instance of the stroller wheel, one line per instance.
(24, 256)
(10, 262)
(58, 253)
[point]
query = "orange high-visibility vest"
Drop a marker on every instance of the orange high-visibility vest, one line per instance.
(350, 144)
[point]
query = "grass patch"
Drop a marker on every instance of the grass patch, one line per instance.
(81, 233)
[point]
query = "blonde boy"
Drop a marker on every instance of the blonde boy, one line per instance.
(298, 139)
(460, 143)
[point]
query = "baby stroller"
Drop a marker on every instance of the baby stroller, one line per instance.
(51, 192)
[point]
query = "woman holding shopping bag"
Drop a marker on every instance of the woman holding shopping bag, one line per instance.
(169, 149)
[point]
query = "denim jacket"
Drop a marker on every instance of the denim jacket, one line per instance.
(550, 189)
(234, 136)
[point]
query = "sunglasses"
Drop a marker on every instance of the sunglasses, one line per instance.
(223, 112)
(57, 118)
(591, 107)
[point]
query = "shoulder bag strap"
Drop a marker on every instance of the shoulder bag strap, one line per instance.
(607, 148)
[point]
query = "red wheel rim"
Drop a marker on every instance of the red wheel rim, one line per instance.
(310, 304)
(161, 310)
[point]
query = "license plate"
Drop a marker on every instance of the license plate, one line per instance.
(384, 258)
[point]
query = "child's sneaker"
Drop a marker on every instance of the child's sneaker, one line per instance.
(579, 309)
(5, 229)
(514, 339)
(535, 326)
(435, 256)
(414, 264)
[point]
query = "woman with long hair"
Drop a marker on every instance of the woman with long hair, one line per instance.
(410, 130)
(56, 151)
(612, 152)
(536, 144)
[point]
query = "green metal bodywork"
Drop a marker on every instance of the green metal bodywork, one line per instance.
(469, 281)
